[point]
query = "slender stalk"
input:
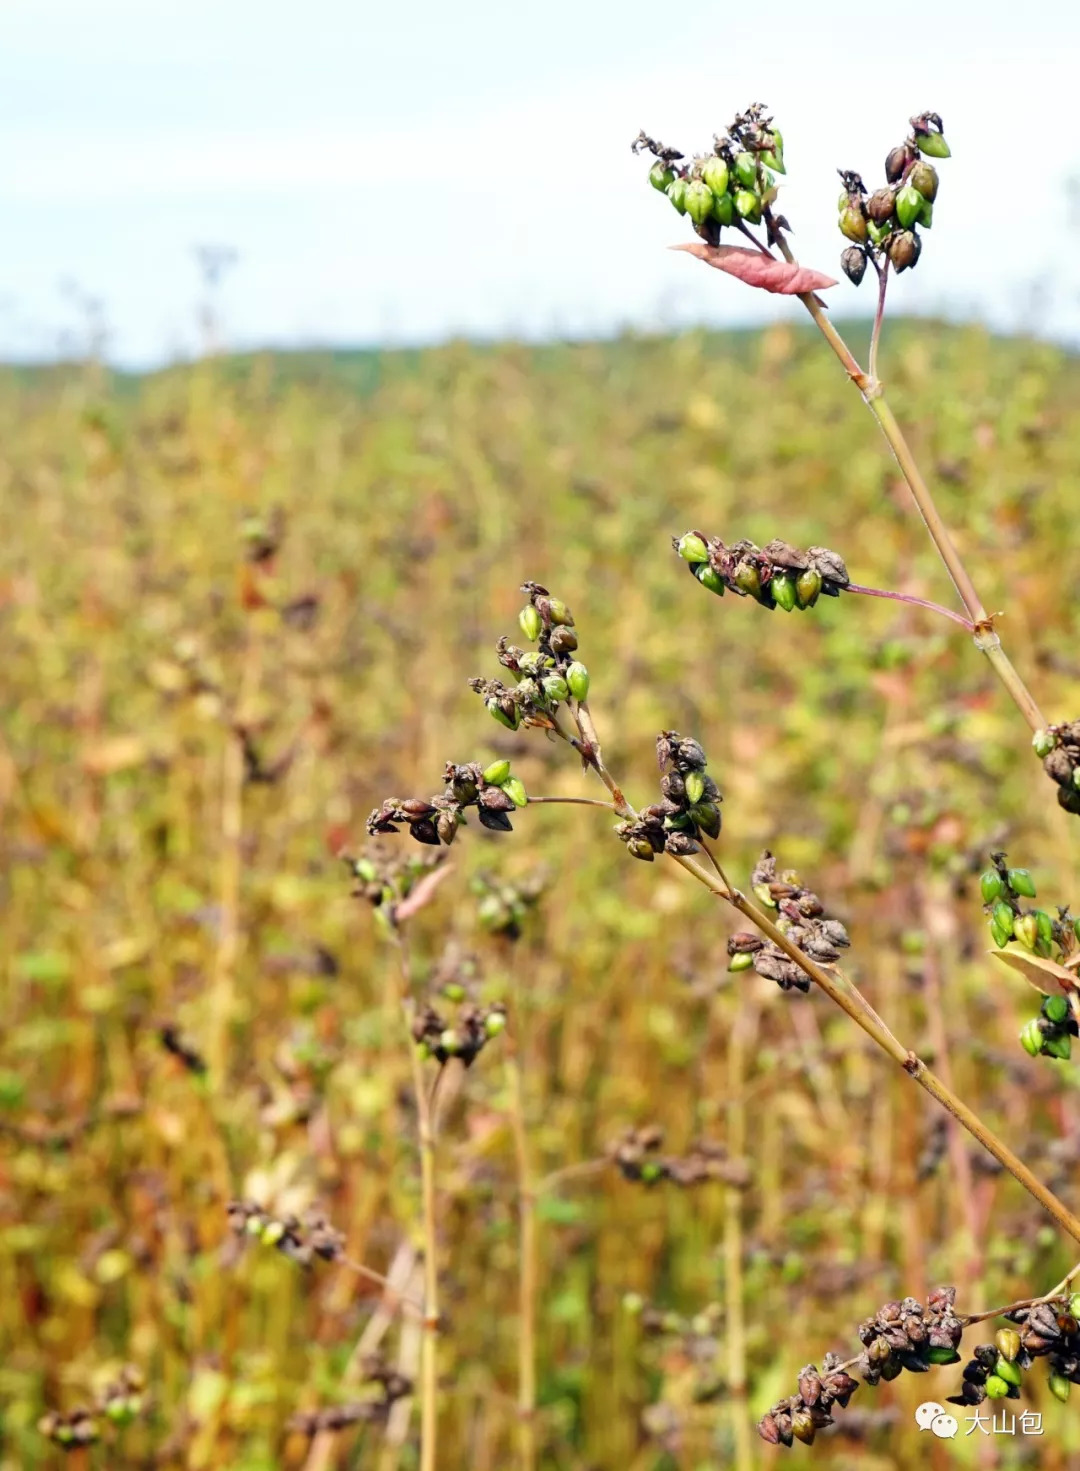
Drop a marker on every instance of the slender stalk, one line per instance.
(577, 801)
(986, 638)
(529, 1278)
(904, 597)
(734, 1287)
(875, 336)
(429, 1368)
(1064, 1286)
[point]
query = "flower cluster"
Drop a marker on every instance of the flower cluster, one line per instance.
(1048, 1329)
(475, 1026)
(736, 182)
(493, 790)
(901, 1335)
(1058, 746)
(637, 1156)
(120, 1402)
(885, 224)
(300, 1240)
(392, 1385)
(545, 676)
(776, 576)
(801, 918)
(689, 808)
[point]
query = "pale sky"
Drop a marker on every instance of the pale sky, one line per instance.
(408, 172)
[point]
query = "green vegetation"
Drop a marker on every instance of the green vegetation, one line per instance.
(148, 890)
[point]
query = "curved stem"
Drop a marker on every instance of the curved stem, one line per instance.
(903, 597)
(875, 336)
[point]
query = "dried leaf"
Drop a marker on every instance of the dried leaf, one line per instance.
(422, 894)
(1035, 970)
(759, 270)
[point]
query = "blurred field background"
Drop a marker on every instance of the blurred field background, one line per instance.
(865, 743)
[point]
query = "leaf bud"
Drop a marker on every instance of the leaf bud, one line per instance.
(691, 548)
(661, 175)
(904, 250)
(1008, 1343)
(496, 773)
(853, 221)
(1021, 882)
(746, 169)
(880, 205)
(1059, 1047)
(853, 265)
(1043, 742)
(748, 205)
(710, 578)
(781, 586)
(577, 680)
(808, 587)
(909, 203)
(991, 886)
(699, 201)
(715, 173)
(1031, 1037)
(676, 192)
(531, 623)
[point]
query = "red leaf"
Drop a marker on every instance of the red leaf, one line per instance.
(759, 270)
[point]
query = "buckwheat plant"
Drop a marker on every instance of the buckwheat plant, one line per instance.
(784, 932)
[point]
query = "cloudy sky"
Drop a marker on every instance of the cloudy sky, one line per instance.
(406, 172)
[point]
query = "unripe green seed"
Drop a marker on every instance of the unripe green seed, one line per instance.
(514, 788)
(555, 687)
(710, 578)
(1008, 1343)
(879, 233)
(692, 548)
(1004, 917)
(1074, 1305)
(255, 1226)
(773, 158)
(531, 622)
(853, 223)
(1021, 882)
(558, 613)
(808, 587)
(723, 210)
(996, 1387)
(1056, 1009)
(1026, 930)
(1008, 1371)
(1031, 1037)
(497, 712)
(999, 936)
(909, 203)
(450, 1042)
(577, 680)
(748, 205)
(748, 578)
(497, 773)
(1059, 1386)
(991, 886)
(782, 587)
(699, 201)
(764, 896)
(660, 176)
(741, 960)
(926, 215)
(933, 145)
(651, 1172)
(423, 1051)
(633, 1303)
(746, 169)
(273, 1232)
(707, 817)
(641, 848)
(1043, 742)
(695, 787)
(940, 1355)
(715, 173)
(454, 991)
(676, 192)
(495, 1023)
(1059, 1047)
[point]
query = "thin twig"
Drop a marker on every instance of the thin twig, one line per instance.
(875, 336)
(903, 597)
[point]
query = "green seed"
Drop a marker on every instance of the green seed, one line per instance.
(1008, 1343)
(531, 622)
(746, 169)
(1031, 1037)
(695, 787)
(748, 205)
(577, 680)
(514, 788)
(715, 173)
(996, 1388)
(1059, 1047)
(1059, 1387)
(710, 578)
(660, 176)
(741, 960)
(1004, 917)
(497, 773)
(942, 1355)
(1043, 743)
(1009, 1372)
(692, 549)
(723, 210)
(699, 201)
(783, 591)
(1021, 882)
(495, 1023)
(676, 192)
(1056, 1009)
(933, 145)
(808, 587)
(1026, 930)
(909, 203)
(991, 886)
(853, 223)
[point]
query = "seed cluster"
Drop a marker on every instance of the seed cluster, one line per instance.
(801, 918)
(1059, 748)
(493, 790)
(776, 576)
(688, 810)
(1047, 1329)
(884, 225)
(637, 1155)
(392, 1384)
(464, 1038)
(300, 1240)
(119, 1403)
(736, 182)
(545, 676)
